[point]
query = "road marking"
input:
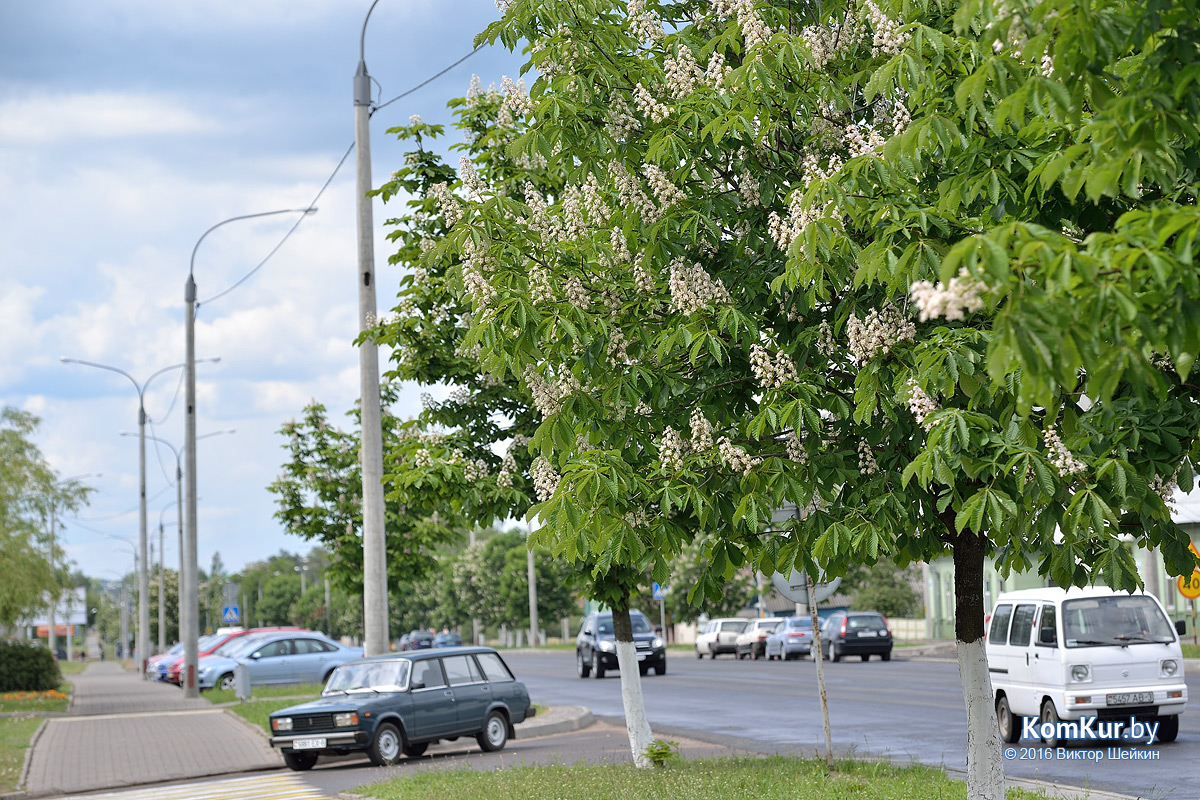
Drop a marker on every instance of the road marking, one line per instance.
(281, 786)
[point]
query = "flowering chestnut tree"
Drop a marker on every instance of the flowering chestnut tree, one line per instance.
(768, 253)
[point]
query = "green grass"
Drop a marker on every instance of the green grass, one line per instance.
(1191, 651)
(307, 691)
(15, 733)
(774, 778)
(72, 667)
(12, 702)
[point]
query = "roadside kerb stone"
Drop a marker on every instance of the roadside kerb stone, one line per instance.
(556, 719)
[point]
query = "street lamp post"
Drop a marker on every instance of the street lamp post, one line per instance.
(143, 643)
(375, 599)
(125, 599)
(179, 524)
(190, 618)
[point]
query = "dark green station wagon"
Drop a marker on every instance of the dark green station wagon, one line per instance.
(393, 704)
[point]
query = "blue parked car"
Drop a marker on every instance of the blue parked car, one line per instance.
(285, 657)
(447, 640)
(393, 704)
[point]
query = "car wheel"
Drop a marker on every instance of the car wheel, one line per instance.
(661, 669)
(581, 666)
(1168, 728)
(699, 655)
(886, 656)
(597, 670)
(494, 735)
(385, 749)
(643, 668)
(299, 761)
(1049, 714)
(416, 750)
(1010, 729)
(834, 655)
(225, 681)
(865, 656)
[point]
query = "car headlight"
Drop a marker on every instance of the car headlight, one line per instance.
(1080, 673)
(657, 643)
(1168, 667)
(281, 724)
(345, 720)
(205, 670)
(607, 646)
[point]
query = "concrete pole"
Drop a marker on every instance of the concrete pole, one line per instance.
(143, 642)
(375, 599)
(52, 639)
(189, 621)
(162, 593)
(179, 525)
(124, 619)
(533, 610)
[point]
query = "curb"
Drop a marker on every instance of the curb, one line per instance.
(557, 719)
(33, 740)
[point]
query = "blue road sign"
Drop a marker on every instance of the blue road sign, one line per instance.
(660, 592)
(230, 614)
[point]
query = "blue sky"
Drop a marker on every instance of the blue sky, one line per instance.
(129, 127)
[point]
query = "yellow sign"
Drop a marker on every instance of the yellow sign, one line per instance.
(1189, 585)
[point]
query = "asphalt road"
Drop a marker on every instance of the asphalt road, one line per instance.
(905, 710)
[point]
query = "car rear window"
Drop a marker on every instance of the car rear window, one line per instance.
(493, 667)
(865, 622)
(735, 626)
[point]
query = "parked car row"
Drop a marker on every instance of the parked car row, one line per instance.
(843, 633)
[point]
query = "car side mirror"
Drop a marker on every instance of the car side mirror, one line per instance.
(256, 655)
(1180, 627)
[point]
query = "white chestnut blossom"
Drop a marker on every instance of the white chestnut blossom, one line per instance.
(577, 294)
(621, 123)
(642, 409)
(1062, 459)
(953, 301)
(888, 38)
(735, 457)
(693, 289)
(771, 372)
(754, 31)
(702, 432)
(620, 249)
(748, 189)
(665, 192)
(643, 280)
(516, 99)
(671, 450)
(469, 177)
(652, 108)
(860, 143)
(541, 290)
(549, 395)
(878, 332)
(1165, 488)
(920, 404)
(795, 448)
(422, 458)
(826, 345)
(414, 120)
(867, 464)
(645, 26)
(447, 201)
(682, 73)
(826, 42)
(618, 346)
(545, 478)
(629, 192)
(717, 71)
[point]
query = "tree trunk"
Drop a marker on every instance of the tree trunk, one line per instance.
(636, 723)
(985, 763)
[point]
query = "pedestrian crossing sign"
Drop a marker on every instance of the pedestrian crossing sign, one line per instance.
(230, 614)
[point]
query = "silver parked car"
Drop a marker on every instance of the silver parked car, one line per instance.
(793, 638)
(286, 657)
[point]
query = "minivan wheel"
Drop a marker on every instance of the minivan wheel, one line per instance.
(1049, 714)
(385, 750)
(1010, 729)
(494, 735)
(1168, 728)
(581, 666)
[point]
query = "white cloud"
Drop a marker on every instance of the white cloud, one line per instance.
(42, 118)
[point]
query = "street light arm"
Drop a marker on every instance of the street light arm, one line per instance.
(136, 386)
(362, 37)
(192, 262)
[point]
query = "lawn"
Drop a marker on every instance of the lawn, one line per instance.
(774, 778)
(304, 691)
(36, 702)
(1191, 651)
(259, 711)
(15, 733)
(72, 667)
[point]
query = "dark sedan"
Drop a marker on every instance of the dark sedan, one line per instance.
(388, 705)
(596, 647)
(856, 633)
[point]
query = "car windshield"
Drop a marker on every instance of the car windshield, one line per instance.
(1115, 620)
(380, 676)
(640, 624)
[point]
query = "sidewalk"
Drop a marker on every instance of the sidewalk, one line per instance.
(123, 731)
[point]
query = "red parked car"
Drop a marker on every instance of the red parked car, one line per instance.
(208, 644)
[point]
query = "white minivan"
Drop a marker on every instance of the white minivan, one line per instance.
(1058, 654)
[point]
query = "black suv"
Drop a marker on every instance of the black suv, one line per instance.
(856, 633)
(596, 648)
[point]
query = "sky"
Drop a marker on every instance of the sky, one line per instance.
(127, 129)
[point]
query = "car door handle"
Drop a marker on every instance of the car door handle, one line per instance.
(1027, 659)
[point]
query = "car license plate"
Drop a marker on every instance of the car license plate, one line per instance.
(308, 744)
(1130, 699)
(868, 633)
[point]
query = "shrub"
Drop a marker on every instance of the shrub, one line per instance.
(27, 668)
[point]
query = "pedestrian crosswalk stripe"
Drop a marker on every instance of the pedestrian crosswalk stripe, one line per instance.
(279, 786)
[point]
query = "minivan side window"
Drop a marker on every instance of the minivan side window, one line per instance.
(1022, 625)
(998, 633)
(1048, 628)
